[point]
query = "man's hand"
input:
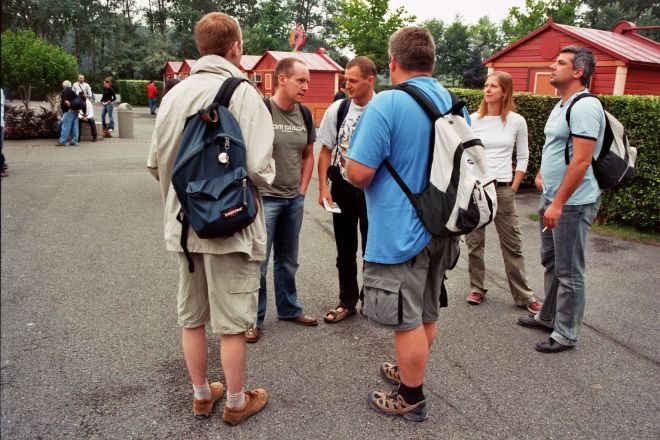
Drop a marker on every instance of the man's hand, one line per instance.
(552, 214)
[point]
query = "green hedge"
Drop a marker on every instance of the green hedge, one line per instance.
(635, 204)
(134, 91)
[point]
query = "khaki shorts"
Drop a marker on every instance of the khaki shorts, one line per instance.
(402, 296)
(223, 290)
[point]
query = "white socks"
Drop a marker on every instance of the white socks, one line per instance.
(236, 401)
(202, 392)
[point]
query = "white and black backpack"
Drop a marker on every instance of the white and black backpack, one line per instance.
(615, 163)
(460, 196)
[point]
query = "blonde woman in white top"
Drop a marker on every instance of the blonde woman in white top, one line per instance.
(501, 130)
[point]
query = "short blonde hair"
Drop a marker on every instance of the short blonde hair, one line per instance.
(215, 33)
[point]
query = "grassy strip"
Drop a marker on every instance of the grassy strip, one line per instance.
(619, 231)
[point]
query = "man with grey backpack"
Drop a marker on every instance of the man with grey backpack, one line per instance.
(570, 199)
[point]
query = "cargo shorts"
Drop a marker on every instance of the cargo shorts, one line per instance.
(403, 296)
(223, 291)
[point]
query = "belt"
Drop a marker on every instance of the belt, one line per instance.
(499, 184)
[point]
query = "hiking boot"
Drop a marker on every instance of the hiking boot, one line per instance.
(202, 408)
(390, 373)
(255, 400)
(475, 298)
(392, 404)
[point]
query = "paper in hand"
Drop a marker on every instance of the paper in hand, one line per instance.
(333, 208)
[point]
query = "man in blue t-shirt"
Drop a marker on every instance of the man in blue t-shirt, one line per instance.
(570, 199)
(404, 266)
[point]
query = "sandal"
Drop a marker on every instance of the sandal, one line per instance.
(335, 315)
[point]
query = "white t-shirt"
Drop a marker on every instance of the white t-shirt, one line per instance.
(499, 141)
(327, 132)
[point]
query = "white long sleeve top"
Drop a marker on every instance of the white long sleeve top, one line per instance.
(89, 110)
(499, 141)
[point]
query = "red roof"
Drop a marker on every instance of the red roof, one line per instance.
(174, 66)
(248, 61)
(628, 47)
(313, 61)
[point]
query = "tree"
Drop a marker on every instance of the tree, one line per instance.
(365, 27)
(521, 22)
(454, 53)
(271, 32)
(437, 29)
(29, 62)
(604, 14)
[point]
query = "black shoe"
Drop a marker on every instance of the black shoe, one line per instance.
(529, 321)
(60, 144)
(552, 346)
(94, 140)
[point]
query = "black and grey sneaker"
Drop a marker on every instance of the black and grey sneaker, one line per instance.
(529, 321)
(390, 373)
(392, 404)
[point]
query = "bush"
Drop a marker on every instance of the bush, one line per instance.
(634, 204)
(134, 91)
(21, 123)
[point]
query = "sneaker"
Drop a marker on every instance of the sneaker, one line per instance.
(202, 408)
(390, 373)
(392, 404)
(529, 321)
(60, 144)
(110, 130)
(534, 306)
(475, 298)
(255, 400)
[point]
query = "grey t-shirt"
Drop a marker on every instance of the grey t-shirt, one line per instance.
(288, 145)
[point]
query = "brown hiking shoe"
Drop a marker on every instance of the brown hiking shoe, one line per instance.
(202, 408)
(255, 400)
(392, 404)
(390, 373)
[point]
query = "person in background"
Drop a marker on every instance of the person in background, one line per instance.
(107, 101)
(86, 116)
(501, 130)
(69, 115)
(169, 84)
(3, 162)
(82, 86)
(152, 94)
(341, 94)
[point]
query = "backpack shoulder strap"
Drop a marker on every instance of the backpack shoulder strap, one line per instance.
(267, 103)
(309, 122)
(227, 90)
(342, 111)
(429, 108)
(568, 120)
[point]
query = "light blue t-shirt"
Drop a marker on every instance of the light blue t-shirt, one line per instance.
(394, 127)
(587, 121)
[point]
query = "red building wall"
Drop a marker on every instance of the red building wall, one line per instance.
(642, 81)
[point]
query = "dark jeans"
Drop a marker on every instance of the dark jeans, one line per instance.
(92, 126)
(353, 214)
(3, 162)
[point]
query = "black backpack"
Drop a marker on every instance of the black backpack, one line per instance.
(210, 173)
(77, 104)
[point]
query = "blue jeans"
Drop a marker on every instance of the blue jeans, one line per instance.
(283, 222)
(107, 110)
(71, 126)
(562, 256)
(153, 103)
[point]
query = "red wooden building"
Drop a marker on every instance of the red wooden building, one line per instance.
(186, 66)
(627, 63)
(247, 64)
(324, 73)
(172, 69)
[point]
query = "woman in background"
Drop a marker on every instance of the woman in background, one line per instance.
(107, 101)
(501, 130)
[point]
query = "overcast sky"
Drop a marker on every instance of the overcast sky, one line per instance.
(446, 10)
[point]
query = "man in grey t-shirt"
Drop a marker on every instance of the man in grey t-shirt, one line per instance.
(284, 199)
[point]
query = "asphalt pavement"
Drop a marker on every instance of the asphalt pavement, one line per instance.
(91, 349)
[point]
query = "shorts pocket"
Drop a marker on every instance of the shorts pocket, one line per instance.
(244, 296)
(382, 299)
